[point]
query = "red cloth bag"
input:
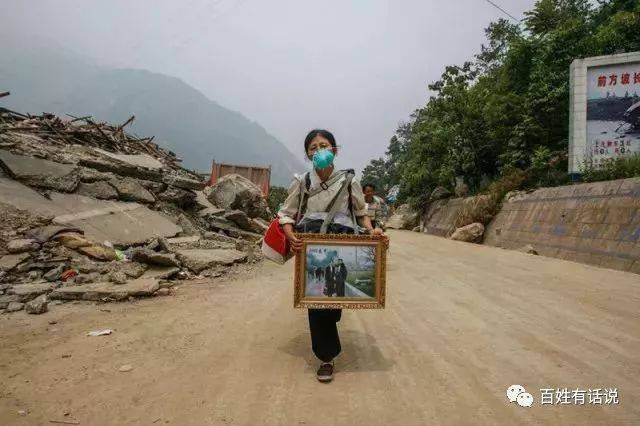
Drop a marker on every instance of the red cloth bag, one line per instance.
(275, 245)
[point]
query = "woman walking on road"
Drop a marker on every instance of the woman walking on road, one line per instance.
(305, 209)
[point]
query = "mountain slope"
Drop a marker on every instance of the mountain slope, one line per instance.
(49, 78)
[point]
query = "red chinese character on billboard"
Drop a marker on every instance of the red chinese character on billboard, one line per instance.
(624, 78)
(613, 79)
(602, 81)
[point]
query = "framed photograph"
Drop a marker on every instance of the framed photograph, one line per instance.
(340, 271)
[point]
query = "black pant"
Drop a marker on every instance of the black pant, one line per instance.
(323, 323)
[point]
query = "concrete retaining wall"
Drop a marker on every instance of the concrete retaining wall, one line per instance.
(596, 223)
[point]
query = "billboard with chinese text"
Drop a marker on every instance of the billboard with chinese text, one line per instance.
(613, 112)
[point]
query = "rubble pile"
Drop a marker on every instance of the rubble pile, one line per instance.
(91, 212)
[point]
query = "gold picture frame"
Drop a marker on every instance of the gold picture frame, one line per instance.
(362, 288)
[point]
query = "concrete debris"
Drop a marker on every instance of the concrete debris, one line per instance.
(184, 240)
(182, 198)
(131, 269)
(90, 212)
(15, 307)
(471, 233)
(40, 173)
(37, 306)
(22, 245)
(239, 193)
(100, 190)
(107, 291)
(26, 292)
(150, 257)
(198, 260)
(118, 277)
(8, 298)
(188, 228)
(130, 190)
(10, 261)
(161, 272)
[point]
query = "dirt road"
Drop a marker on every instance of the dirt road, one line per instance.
(462, 323)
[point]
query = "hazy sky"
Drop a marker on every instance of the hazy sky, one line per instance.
(357, 68)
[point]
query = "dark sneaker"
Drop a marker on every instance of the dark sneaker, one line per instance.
(325, 372)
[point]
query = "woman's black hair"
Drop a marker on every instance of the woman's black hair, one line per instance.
(319, 132)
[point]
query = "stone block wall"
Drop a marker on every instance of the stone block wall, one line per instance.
(594, 223)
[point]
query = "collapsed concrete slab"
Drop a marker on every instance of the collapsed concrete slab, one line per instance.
(26, 292)
(136, 160)
(106, 290)
(130, 190)
(40, 173)
(10, 261)
(198, 260)
(101, 220)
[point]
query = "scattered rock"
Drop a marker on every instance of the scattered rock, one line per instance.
(130, 190)
(416, 229)
(163, 292)
(150, 257)
(55, 273)
(132, 269)
(125, 368)
(118, 277)
(88, 278)
(198, 260)
(404, 218)
(183, 182)
(188, 228)
(10, 261)
(8, 298)
(34, 275)
(471, 233)
(90, 175)
(100, 190)
(259, 225)
(239, 218)
(15, 306)
(211, 212)
(180, 197)
(161, 272)
(215, 236)
(22, 245)
(237, 192)
(528, 249)
(39, 305)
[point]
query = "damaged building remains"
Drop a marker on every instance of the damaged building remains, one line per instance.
(91, 212)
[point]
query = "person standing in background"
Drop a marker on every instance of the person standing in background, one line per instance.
(377, 209)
